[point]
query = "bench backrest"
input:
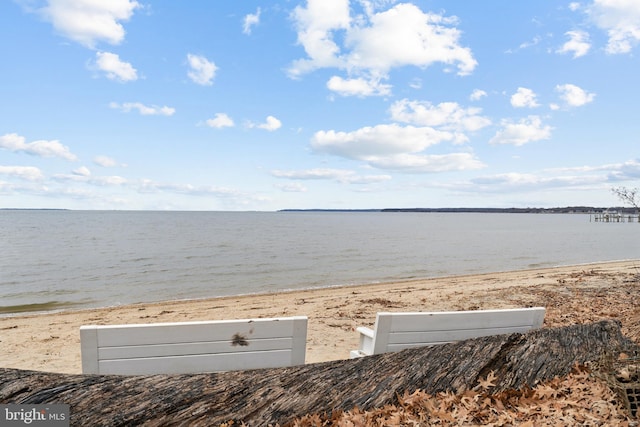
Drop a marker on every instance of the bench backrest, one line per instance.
(192, 347)
(397, 331)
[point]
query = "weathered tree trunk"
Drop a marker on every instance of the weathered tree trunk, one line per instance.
(269, 396)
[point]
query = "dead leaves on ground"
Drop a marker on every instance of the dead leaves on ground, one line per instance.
(578, 399)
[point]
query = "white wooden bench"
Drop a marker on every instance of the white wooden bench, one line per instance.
(192, 347)
(397, 331)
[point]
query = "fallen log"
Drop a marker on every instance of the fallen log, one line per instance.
(270, 396)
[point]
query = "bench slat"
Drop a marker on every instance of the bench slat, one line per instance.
(185, 364)
(397, 331)
(181, 349)
(396, 338)
(168, 333)
(452, 320)
(191, 347)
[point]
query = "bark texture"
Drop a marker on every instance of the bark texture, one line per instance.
(270, 396)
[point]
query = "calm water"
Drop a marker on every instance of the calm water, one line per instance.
(75, 259)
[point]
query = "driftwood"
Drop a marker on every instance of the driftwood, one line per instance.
(270, 396)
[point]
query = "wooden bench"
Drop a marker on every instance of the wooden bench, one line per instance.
(192, 347)
(397, 331)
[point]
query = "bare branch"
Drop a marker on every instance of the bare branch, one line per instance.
(630, 196)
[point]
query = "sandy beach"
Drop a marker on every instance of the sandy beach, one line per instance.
(572, 294)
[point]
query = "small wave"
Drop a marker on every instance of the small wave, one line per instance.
(39, 307)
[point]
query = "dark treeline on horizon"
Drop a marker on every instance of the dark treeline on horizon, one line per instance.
(568, 209)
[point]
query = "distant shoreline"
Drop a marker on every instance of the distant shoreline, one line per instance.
(556, 210)
(561, 210)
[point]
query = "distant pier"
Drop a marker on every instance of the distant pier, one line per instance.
(614, 217)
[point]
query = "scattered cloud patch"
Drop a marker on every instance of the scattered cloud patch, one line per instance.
(250, 20)
(477, 95)
(428, 163)
(201, 70)
(377, 141)
(358, 87)
(292, 187)
(88, 21)
(338, 175)
(114, 68)
(394, 147)
(571, 178)
(578, 43)
(271, 124)
(221, 120)
(84, 176)
(621, 20)
(145, 110)
(105, 162)
(526, 130)
(42, 148)
(28, 173)
(524, 97)
(574, 96)
(446, 115)
(150, 186)
(82, 171)
(369, 45)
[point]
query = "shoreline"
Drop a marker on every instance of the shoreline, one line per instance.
(71, 307)
(50, 341)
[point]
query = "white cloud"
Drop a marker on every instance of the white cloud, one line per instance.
(313, 174)
(526, 130)
(578, 43)
(114, 68)
(316, 25)
(621, 20)
(477, 94)
(524, 98)
(42, 148)
(82, 171)
(28, 173)
(145, 110)
(271, 124)
(105, 162)
(381, 140)
(583, 177)
(339, 175)
(394, 147)
(83, 175)
(292, 187)
(446, 115)
(368, 46)
(149, 186)
(509, 182)
(202, 71)
(251, 20)
(90, 21)
(574, 96)
(357, 87)
(221, 120)
(404, 35)
(433, 163)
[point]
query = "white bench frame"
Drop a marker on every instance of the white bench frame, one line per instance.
(193, 347)
(397, 331)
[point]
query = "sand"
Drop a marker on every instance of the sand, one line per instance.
(572, 294)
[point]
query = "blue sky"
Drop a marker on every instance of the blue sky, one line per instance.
(212, 105)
